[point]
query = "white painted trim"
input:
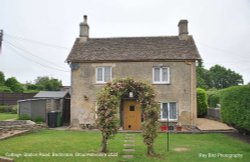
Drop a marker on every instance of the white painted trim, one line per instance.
(103, 74)
(161, 82)
(161, 112)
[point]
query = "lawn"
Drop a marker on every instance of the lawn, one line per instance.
(5, 116)
(46, 145)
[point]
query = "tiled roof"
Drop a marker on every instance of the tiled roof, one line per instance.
(51, 94)
(133, 49)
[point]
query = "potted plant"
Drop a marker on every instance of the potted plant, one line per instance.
(178, 126)
(163, 128)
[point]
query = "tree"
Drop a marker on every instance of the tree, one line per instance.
(220, 77)
(216, 77)
(5, 89)
(14, 85)
(47, 84)
(202, 77)
(2, 80)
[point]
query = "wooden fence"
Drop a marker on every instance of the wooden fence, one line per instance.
(12, 98)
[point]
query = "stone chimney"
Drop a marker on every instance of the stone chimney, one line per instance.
(183, 29)
(84, 30)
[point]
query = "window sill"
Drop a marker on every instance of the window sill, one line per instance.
(100, 82)
(155, 83)
(170, 120)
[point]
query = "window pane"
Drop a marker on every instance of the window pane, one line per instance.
(156, 74)
(164, 110)
(164, 74)
(107, 74)
(99, 74)
(172, 107)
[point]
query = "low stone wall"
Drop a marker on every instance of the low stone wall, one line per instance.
(19, 125)
(214, 113)
(12, 123)
(5, 159)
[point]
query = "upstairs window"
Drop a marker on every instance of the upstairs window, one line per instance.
(168, 111)
(161, 75)
(103, 74)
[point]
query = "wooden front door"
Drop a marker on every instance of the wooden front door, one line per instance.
(131, 115)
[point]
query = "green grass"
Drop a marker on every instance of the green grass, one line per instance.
(5, 116)
(71, 142)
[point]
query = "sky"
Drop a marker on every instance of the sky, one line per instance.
(39, 34)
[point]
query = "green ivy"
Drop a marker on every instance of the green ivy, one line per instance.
(108, 101)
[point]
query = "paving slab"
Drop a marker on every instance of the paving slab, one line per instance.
(129, 141)
(129, 138)
(128, 150)
(128, 145)
(128, 156)
(204, 124)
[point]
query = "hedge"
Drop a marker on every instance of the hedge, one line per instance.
(201, 102)
(235, 107)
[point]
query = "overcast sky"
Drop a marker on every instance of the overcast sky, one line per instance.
(38, 34)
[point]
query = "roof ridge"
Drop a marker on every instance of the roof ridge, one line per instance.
(129, 37)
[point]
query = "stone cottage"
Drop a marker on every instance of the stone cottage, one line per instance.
(166, 62)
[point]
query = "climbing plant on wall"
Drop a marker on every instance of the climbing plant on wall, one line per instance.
(108, 102)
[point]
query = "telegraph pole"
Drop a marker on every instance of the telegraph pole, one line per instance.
(1, 39)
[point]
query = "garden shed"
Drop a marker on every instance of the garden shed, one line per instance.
(45, 102)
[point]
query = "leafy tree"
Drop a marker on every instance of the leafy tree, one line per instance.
(5, 89)
(220, 77)
(2, 80)
(48, 84)
(216, 77)
(14, 85)
(201, 76)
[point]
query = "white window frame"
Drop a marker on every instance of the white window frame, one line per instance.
(161, 113)
(161, 77)
(103, 74)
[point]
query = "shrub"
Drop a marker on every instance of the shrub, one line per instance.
(5, 89)
(24, 117)
(38, 119)
(201, 102)
(14, 109)
(8, 109)
(235, 107)
(2, 109)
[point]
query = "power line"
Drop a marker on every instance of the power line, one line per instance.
(37, 42)
(221, 50)
(1, 39)
(17, 53)
(30, 53)
(45, 66)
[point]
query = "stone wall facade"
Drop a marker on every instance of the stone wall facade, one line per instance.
(181, 89)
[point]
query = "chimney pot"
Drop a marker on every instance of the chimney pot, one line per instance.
(183, 29)
(85, 18)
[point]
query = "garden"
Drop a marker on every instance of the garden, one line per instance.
(53, 145)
